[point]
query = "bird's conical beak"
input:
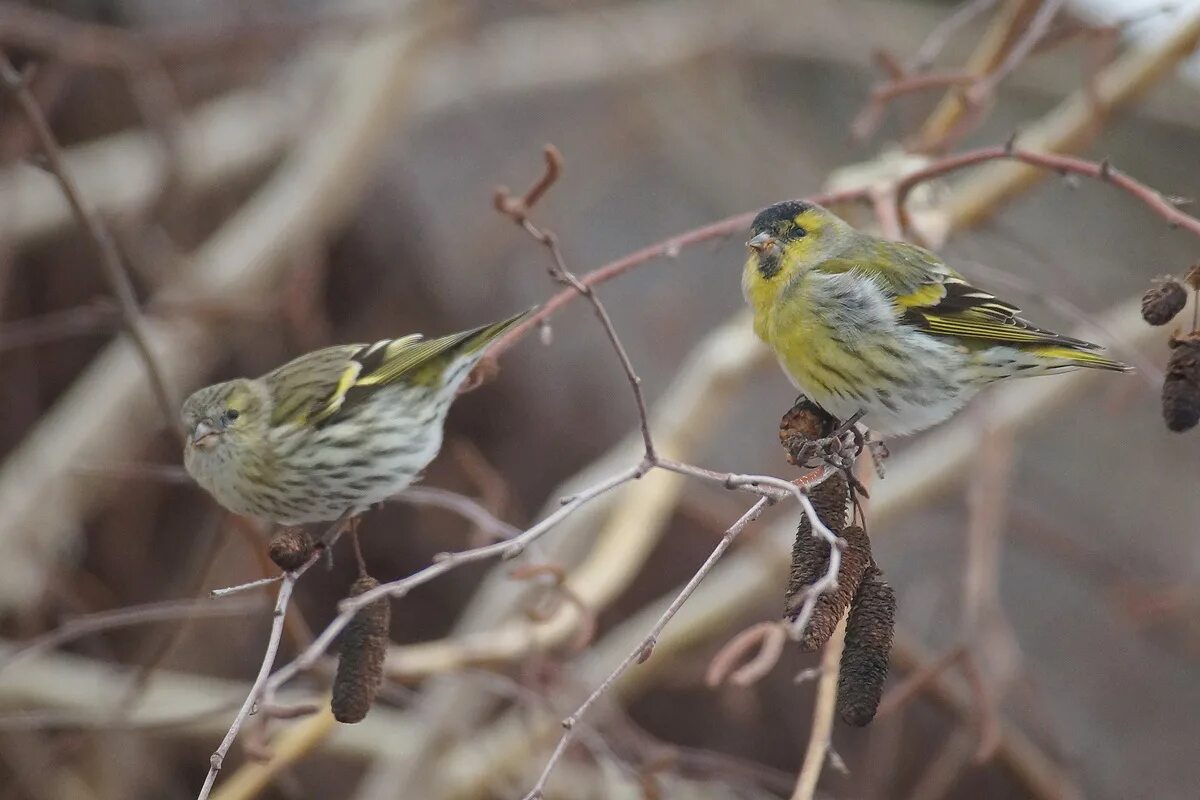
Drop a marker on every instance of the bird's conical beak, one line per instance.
(205, 434)
(760, 242)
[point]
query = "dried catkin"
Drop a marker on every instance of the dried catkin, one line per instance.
(1161, 303)
(360, 664)
(810, 554)
(864, 667)
(1181, 387)
(290, 548)
(829, 607)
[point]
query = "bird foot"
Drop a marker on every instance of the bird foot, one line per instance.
(839, 449)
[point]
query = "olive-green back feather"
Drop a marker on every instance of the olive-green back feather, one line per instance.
(936, 299)
(313, 388)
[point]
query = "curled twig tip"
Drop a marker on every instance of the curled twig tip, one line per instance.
(764, 639)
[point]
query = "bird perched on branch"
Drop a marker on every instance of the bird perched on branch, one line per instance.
(885, 329)
(333, 431)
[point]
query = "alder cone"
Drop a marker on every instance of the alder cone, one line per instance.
(864, 668)
(290, 548)
(810, 554)
(1161, 303)
(360, 663)
(856, 559)
(1181, 387)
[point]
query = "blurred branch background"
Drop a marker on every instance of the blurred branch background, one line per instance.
(278, 176)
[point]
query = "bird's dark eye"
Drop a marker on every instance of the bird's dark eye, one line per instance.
(232, 414)
(798, 232)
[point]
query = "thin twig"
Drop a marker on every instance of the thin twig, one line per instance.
(244, 587)
(935, 42)
(828, 581)
(750, 483)
(588, 623)
(78, 321)
(912, 685)
(1098, 170)
(667, 248)
(79, 627)
(260, 680)
(518, 210)
(767, 487)
(444, 562)
(974, 88)
(460, 504)
(262, 688)
(818, 750)
(1019, 51)
(114, 270)
(765, 638)
(867, 121)
(642, 652)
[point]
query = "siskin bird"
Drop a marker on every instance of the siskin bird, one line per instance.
(333, 431)
(862, 324)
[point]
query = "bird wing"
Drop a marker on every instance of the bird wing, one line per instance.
(313, 388)
(934, 298)
(310, 389)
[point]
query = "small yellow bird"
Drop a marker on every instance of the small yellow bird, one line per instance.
(865, 325)
(331, 432)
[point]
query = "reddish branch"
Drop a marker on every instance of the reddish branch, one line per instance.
(1043, 34)
(1097, 170)
(867, 121)
(976, 89)
(668, 248)
(517, 209)
(1020, 50)
(885, 200)
(941, 35)
(984, 719)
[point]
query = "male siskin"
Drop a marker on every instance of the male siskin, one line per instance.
(862, 324)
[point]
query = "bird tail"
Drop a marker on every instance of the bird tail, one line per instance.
(476, 339)
(1071, 357)
(423, 361)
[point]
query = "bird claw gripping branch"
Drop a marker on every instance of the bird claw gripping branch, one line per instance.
(813, 437)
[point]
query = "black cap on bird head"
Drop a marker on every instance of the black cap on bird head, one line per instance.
(786, 211)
